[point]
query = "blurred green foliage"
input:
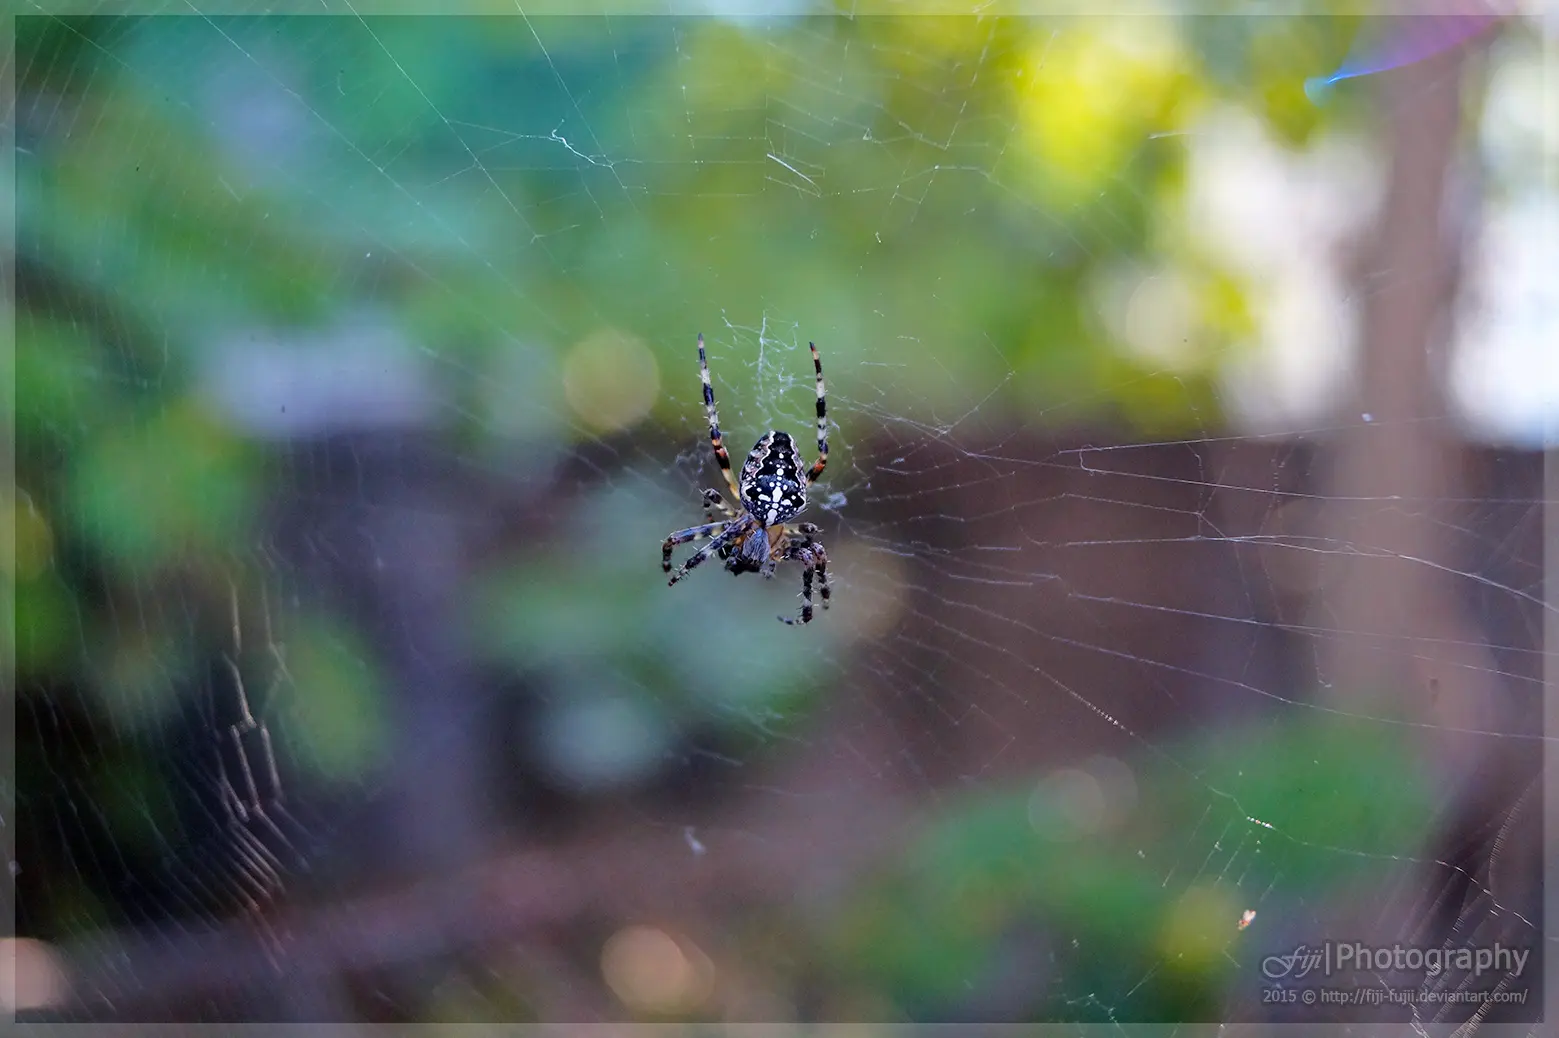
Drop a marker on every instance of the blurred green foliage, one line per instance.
(340, 729)
(1285, 800)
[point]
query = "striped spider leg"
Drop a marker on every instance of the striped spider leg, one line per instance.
(822, 420)
(713, 498)
(801, 546)
(692, 533)
(727, 537)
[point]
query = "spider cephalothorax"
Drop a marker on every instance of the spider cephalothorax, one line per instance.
(771, 492)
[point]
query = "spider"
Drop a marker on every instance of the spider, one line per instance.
(771, 492)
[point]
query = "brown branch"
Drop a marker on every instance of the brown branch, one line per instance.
(1393, 574)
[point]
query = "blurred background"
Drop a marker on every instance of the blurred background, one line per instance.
(1187, 398)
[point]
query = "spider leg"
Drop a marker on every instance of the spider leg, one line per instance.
(822, 420)
(715, 440)
(692, 533)
(822, 572)
(805, 536)
(732, 531)
(807, 556)
(801, 546)
(714, 499)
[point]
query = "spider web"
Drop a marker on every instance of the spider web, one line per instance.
(1169, 642)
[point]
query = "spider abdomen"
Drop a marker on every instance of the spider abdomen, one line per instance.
(773, 500)
(772, 487)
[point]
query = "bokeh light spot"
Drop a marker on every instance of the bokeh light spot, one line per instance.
(1089, 95)
(610, 380)
(32, 975)
(30, 549)
(655, 974)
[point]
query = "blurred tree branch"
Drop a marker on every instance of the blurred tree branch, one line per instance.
(1399, 580)
(1390, 580)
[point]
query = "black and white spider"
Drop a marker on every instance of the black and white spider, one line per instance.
(771, 492)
